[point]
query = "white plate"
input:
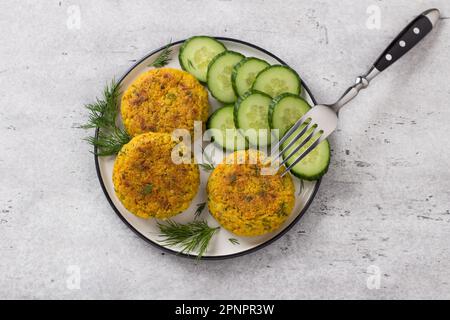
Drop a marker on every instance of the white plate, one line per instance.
(220, 246)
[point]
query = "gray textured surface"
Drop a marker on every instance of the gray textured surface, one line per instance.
(385, 202)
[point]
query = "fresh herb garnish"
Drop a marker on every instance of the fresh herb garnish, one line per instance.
(103, 112)
(103, 115)
(147, 189)
(233, 241)
(109, 143)
(192, 236)
(163, 58)
(200, 208)
(208, 165)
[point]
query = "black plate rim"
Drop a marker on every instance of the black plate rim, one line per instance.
(168, 250)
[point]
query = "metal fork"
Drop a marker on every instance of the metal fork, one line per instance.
(323, 119)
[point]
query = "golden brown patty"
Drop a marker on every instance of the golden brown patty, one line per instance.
(161, 100)
(245, 202)
(148, 183)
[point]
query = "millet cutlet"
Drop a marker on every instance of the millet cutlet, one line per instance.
(162, 100)
(246, 202)
(148, 182)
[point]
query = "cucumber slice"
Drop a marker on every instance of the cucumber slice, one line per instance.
(276, 80)
(285, 110)
(197, 52)
(226, 135)
(219, 76)
(315, 164)
(252, 112)
(245, 72)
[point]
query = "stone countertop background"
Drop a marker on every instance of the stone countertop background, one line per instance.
(379, 227)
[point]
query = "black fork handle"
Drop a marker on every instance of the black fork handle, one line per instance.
(405, 41)
(408, 38)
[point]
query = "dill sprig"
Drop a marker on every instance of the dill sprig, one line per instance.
(103, 115)
(163, 58)
(192, 236)
(103, 112)
(233, 241)
(208, 165)
(109, 142)
(200, 208)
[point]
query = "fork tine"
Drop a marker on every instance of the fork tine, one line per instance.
(291, 131)
(300, 145)
(304, 154)
(291, 143)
